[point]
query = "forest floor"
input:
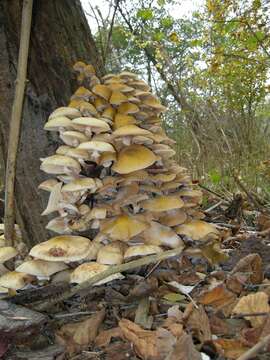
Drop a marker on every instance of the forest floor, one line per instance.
(212, 302)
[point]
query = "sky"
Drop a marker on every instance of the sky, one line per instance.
(184, 9)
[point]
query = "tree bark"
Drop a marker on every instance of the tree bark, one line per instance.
(60, 36)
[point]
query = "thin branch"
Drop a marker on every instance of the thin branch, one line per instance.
(250, 354)
(112, 270)
(111, 29)
(15, 121)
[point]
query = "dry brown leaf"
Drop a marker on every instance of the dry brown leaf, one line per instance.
(184, 349)
(229, 348)
(198, 324)
(78, 336)
(105, 336)
(150, 345)
(213, 253)
(251, 265)
(251, 304)
(217, 297)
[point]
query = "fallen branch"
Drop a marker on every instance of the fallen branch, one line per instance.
(15, 121)
(40, 306)
(255, 349)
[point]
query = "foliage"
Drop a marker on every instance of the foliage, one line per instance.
(211, 71)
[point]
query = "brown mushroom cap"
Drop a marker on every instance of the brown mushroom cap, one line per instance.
(133, 158)
(130, 130)
(161, 235)
(111, 254)
(65, 248)
(96, 125)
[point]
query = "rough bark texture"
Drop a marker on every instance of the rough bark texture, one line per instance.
(60, 36)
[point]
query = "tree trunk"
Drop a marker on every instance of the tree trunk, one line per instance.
(60, 36)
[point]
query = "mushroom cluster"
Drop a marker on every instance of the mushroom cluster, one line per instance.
(114, 176)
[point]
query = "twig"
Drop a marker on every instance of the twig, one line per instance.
(239, 316)
(213, 207)
(112, 270)
(255, 349)
(214, 193)
(15, 121)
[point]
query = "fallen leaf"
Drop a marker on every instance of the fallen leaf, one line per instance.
(252, 266)
(173, 297)
(143, 288)
(150, 345)
(252, 304)
(104, 337)
(175, 312)
(184, 349)
(230, 348)
(77, 336)
(184, 289)
(198, 324)
(218, 297)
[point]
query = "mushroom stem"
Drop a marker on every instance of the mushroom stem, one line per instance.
(40, 306)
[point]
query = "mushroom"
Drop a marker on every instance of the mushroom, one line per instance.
(64, 248)
(96, 148)
(60, 164)
(133, 158)
(86, 271)
(90, 125)
(162, 203)
(40, 268)
(15, 280)
(7, 253)
(69, 112)
(197, 229)
(141, 250)
(73, 138)
(111, 254)
(161, 235)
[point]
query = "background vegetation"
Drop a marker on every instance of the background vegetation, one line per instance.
(211, 70)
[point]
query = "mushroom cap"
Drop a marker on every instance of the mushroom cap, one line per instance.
(162, 203)
(59, 225)
(88, 109)
(48, 185)
(58, 122)
(173, 217)
(111, 254)
(118, 98)
(63, 149)
(123, 120)
(59, 164)
(67, 111)
(6, 253)
(117, 86)
(77, 153)
(99, 146)
(157, 234)
(41, 268)
(197, 229)
(128, 108)
(15, 280)
(65, 248)
(141, 250)
(86, 271)
(93, 123)
(80, 185)
(130, 130)
(102, 90)
(109, 113)
(81, 93)
(73, 138)
(123, 227)
(133, 158)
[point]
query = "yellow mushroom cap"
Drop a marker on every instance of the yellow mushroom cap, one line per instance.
(73, 138)
(162, 203)
(111, 254)
(117, 98)
(48, 185)
(6, 253)
(15, 280)
(102, 91)
(86, 271)
(123, 227)
(197, 229)
(58, 122)
(60, 164)
(141, 250)
(65, 248)
(133, 158)
(98, 146)
(123, 120)
(69, 112)
(173, 217)
(80, 185)
(130, 130)
(41, 268)
(157, 234)
(93, 123)
(128, 108)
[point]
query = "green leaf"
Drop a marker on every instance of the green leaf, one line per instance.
(215, 177)
(161, 2)
(158, 36)
(145, 14)
(167, 22)
(173, 297)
